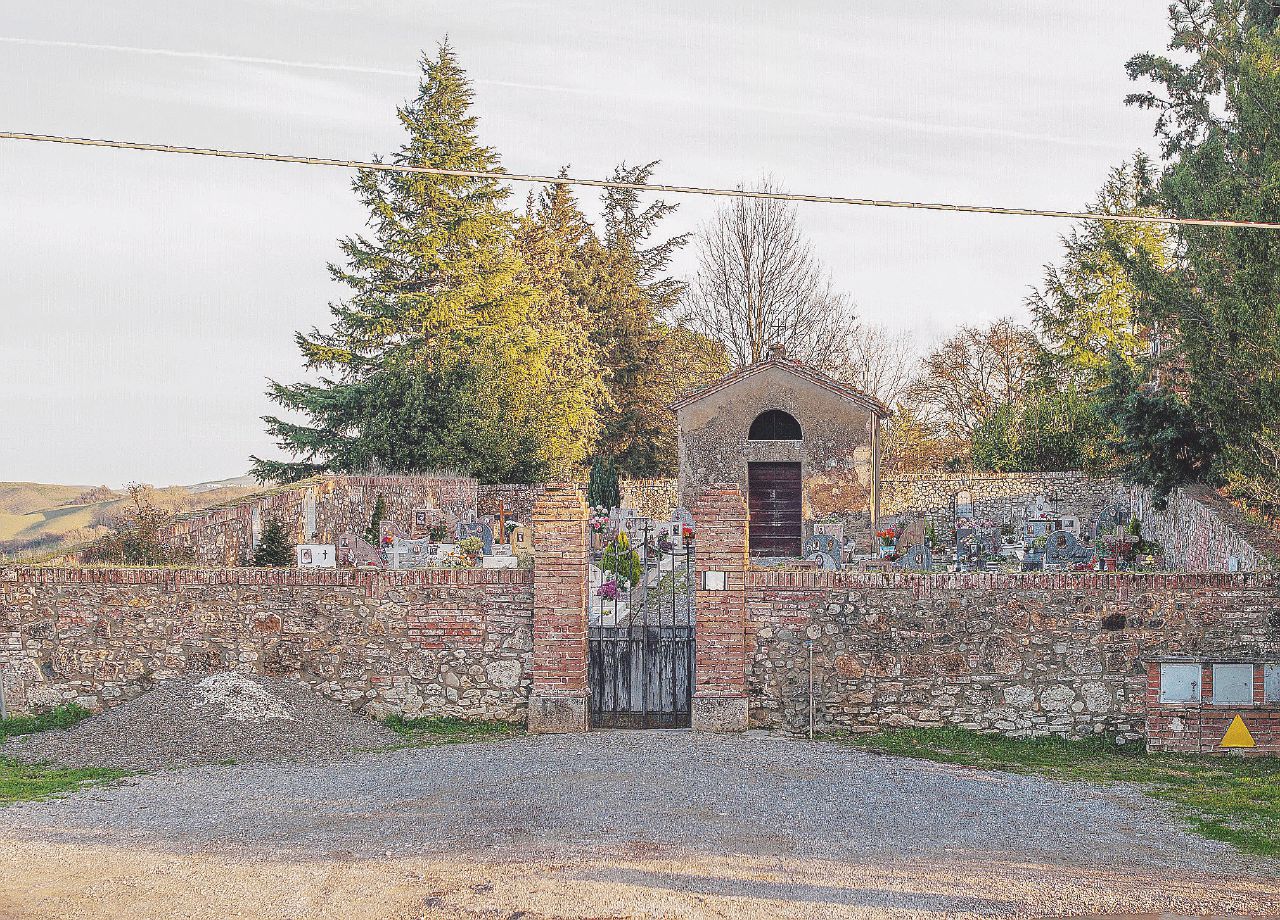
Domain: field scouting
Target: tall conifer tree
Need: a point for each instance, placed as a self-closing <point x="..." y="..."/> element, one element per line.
<point x="436" y="358"/>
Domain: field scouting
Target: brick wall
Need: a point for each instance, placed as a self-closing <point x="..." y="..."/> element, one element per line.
<point x="224" y="536"/>
<point x="445" y="642"/>
<point x="559" y="695"/>
<point x="1028" y="654"/>
<point x="1201" y="727"/>
<point x="719" y="699"/>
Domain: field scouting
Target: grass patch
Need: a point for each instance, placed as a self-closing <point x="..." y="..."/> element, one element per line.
<point x="434" y="730"/>
<point x="63" y="716"/>
<point x="1232" y="799"/>
<point x="20" y="782"/>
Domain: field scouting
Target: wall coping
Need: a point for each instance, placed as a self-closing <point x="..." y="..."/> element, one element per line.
<point x="989" y="581"/>
<point x="176" y="577"/>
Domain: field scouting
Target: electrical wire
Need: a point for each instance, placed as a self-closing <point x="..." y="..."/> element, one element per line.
<point x="641" y="186"/>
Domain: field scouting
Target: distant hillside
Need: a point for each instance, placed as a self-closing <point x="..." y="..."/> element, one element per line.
<point x="40" y="517"/>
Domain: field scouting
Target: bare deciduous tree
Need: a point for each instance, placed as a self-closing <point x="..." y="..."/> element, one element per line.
<point x="966" y="377"/>
<point x="759" y="284"/>
<point x="880" y="362"/>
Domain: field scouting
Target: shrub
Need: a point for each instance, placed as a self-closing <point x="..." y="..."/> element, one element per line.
<point x="622" y="561"/>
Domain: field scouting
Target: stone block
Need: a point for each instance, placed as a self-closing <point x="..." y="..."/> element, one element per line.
<point x="558" y="713"/>
<point x="719" y="713"/>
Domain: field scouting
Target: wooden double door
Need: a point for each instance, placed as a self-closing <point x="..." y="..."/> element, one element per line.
<point x="773" y="498"/>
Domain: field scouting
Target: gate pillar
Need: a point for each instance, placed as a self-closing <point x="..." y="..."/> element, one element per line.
<point x="720" y="557"/>
<point x="558" y="699"/>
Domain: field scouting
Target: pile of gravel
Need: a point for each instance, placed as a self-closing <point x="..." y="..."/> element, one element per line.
<point x="211" y="718"/>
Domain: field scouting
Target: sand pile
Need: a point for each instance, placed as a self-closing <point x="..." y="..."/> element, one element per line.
<point x="211" y="718"/>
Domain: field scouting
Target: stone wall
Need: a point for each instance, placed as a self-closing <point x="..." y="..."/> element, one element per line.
<point x="652" y="498"/>
<point x="1028" y="654"/>
<point x="444" y="642"/>
<point x="224" y="536"/>
<point x="1200" y="531"/>
<point x="933" y="494"/>
<point x="516" y="500"/>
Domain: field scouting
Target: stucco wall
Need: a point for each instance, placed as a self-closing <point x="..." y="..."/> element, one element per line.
<point x="1025" y="654"/>
<point x="450" y="642"/>
<point x="836" y="454"/>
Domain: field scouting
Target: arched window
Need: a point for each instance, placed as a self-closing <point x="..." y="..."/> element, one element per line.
<point x="775" y="425"/>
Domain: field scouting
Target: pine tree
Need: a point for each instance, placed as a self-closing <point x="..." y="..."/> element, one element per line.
<point x="275" y="549"/>
<point x="1088" y="306"/>
<point x="435" y="359"/>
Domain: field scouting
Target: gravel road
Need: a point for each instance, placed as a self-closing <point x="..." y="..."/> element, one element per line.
<point x="653" y="824"/>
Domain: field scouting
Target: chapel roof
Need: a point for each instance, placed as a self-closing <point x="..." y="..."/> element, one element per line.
<point x="778" y="360"/>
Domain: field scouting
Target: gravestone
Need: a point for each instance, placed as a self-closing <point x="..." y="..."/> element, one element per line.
<point x="315" y="556"/>
<point x="833" y="529"/>
<point x="913" y="534"/>
<point x="918" y="557"/>
<point x="355" y="550"/>
<point x="977" y="541"/>
<point x="824" y="560"/>
<point x="964" y="504"/>
<point x="479" y="529"/>
<point x="822" y="543"/>
<point x="1063" y="549"/>
<point x="519" y="540"/>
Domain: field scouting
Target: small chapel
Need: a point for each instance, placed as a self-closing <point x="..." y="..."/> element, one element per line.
<point x="803" y="446"/>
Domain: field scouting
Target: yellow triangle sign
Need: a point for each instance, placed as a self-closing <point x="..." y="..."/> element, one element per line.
<point x="1237" y="735"/>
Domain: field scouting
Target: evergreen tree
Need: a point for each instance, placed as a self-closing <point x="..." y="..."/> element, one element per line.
<point x="1218" y="303"/>
<point x="374" y="532"/>
<point x="602" y="486"/>
<point x="436" y="358"/>
<point x="1087" y="307"/>
<point x="275" y="549"/>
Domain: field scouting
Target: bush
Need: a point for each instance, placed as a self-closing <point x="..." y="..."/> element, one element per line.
<point x="622" y="561"/>
<point x="602" y="486"/>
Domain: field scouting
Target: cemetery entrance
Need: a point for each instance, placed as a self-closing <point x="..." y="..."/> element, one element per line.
<point x="640" y="624"/>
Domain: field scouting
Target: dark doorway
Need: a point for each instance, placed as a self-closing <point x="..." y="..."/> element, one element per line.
<point x="773" y="498"/>
<point x="775" y="425"/>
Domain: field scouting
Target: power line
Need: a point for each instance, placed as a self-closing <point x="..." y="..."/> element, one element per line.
<point x="638" y="186"/>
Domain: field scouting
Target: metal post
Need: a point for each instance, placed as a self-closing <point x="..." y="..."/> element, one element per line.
<point x="809" y="645"/>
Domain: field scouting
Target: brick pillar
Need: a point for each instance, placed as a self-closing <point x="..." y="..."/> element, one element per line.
<point x="558" y="701"/>
<point x="720" y="699"/>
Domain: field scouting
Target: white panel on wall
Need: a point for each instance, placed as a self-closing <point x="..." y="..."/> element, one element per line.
<point x="1233" y="685"/>
<point x="1271" y="683"/>
<point x="1179" y="683"/>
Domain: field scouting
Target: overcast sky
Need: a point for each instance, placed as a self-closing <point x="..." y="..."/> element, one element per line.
<point x="144" y="298"/>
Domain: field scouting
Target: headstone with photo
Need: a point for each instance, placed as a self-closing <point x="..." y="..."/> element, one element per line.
<point x="478" y="529"/>
<point x="315" y="556"/>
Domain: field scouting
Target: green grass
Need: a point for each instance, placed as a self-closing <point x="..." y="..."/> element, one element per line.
<point x="21" y="782"/>
<point x="450" y="729"/>
<point x="1232" y="799"/>
<point x="63" y="716"/>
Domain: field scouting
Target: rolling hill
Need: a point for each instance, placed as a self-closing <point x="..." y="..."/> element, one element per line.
<point x="37" y="517"/>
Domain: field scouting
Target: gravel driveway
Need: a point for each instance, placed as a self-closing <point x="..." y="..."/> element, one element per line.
<point x="661" y="824"/>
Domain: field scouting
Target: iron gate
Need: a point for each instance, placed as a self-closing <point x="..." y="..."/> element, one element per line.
<point x="640" y="629"/>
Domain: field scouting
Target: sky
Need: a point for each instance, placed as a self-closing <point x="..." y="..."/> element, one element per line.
<point x="145" y="299"/>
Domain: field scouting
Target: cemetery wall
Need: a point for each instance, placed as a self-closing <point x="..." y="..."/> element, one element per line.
<point x="516" y="500"/>
<point x="441" y="642"/>
<point x="1200" y="531"/>
<point x="932" y="494"/>
<point x="1022" y="654"/>
<point x="224" y="536"/>
<point x="651" y="498"/>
